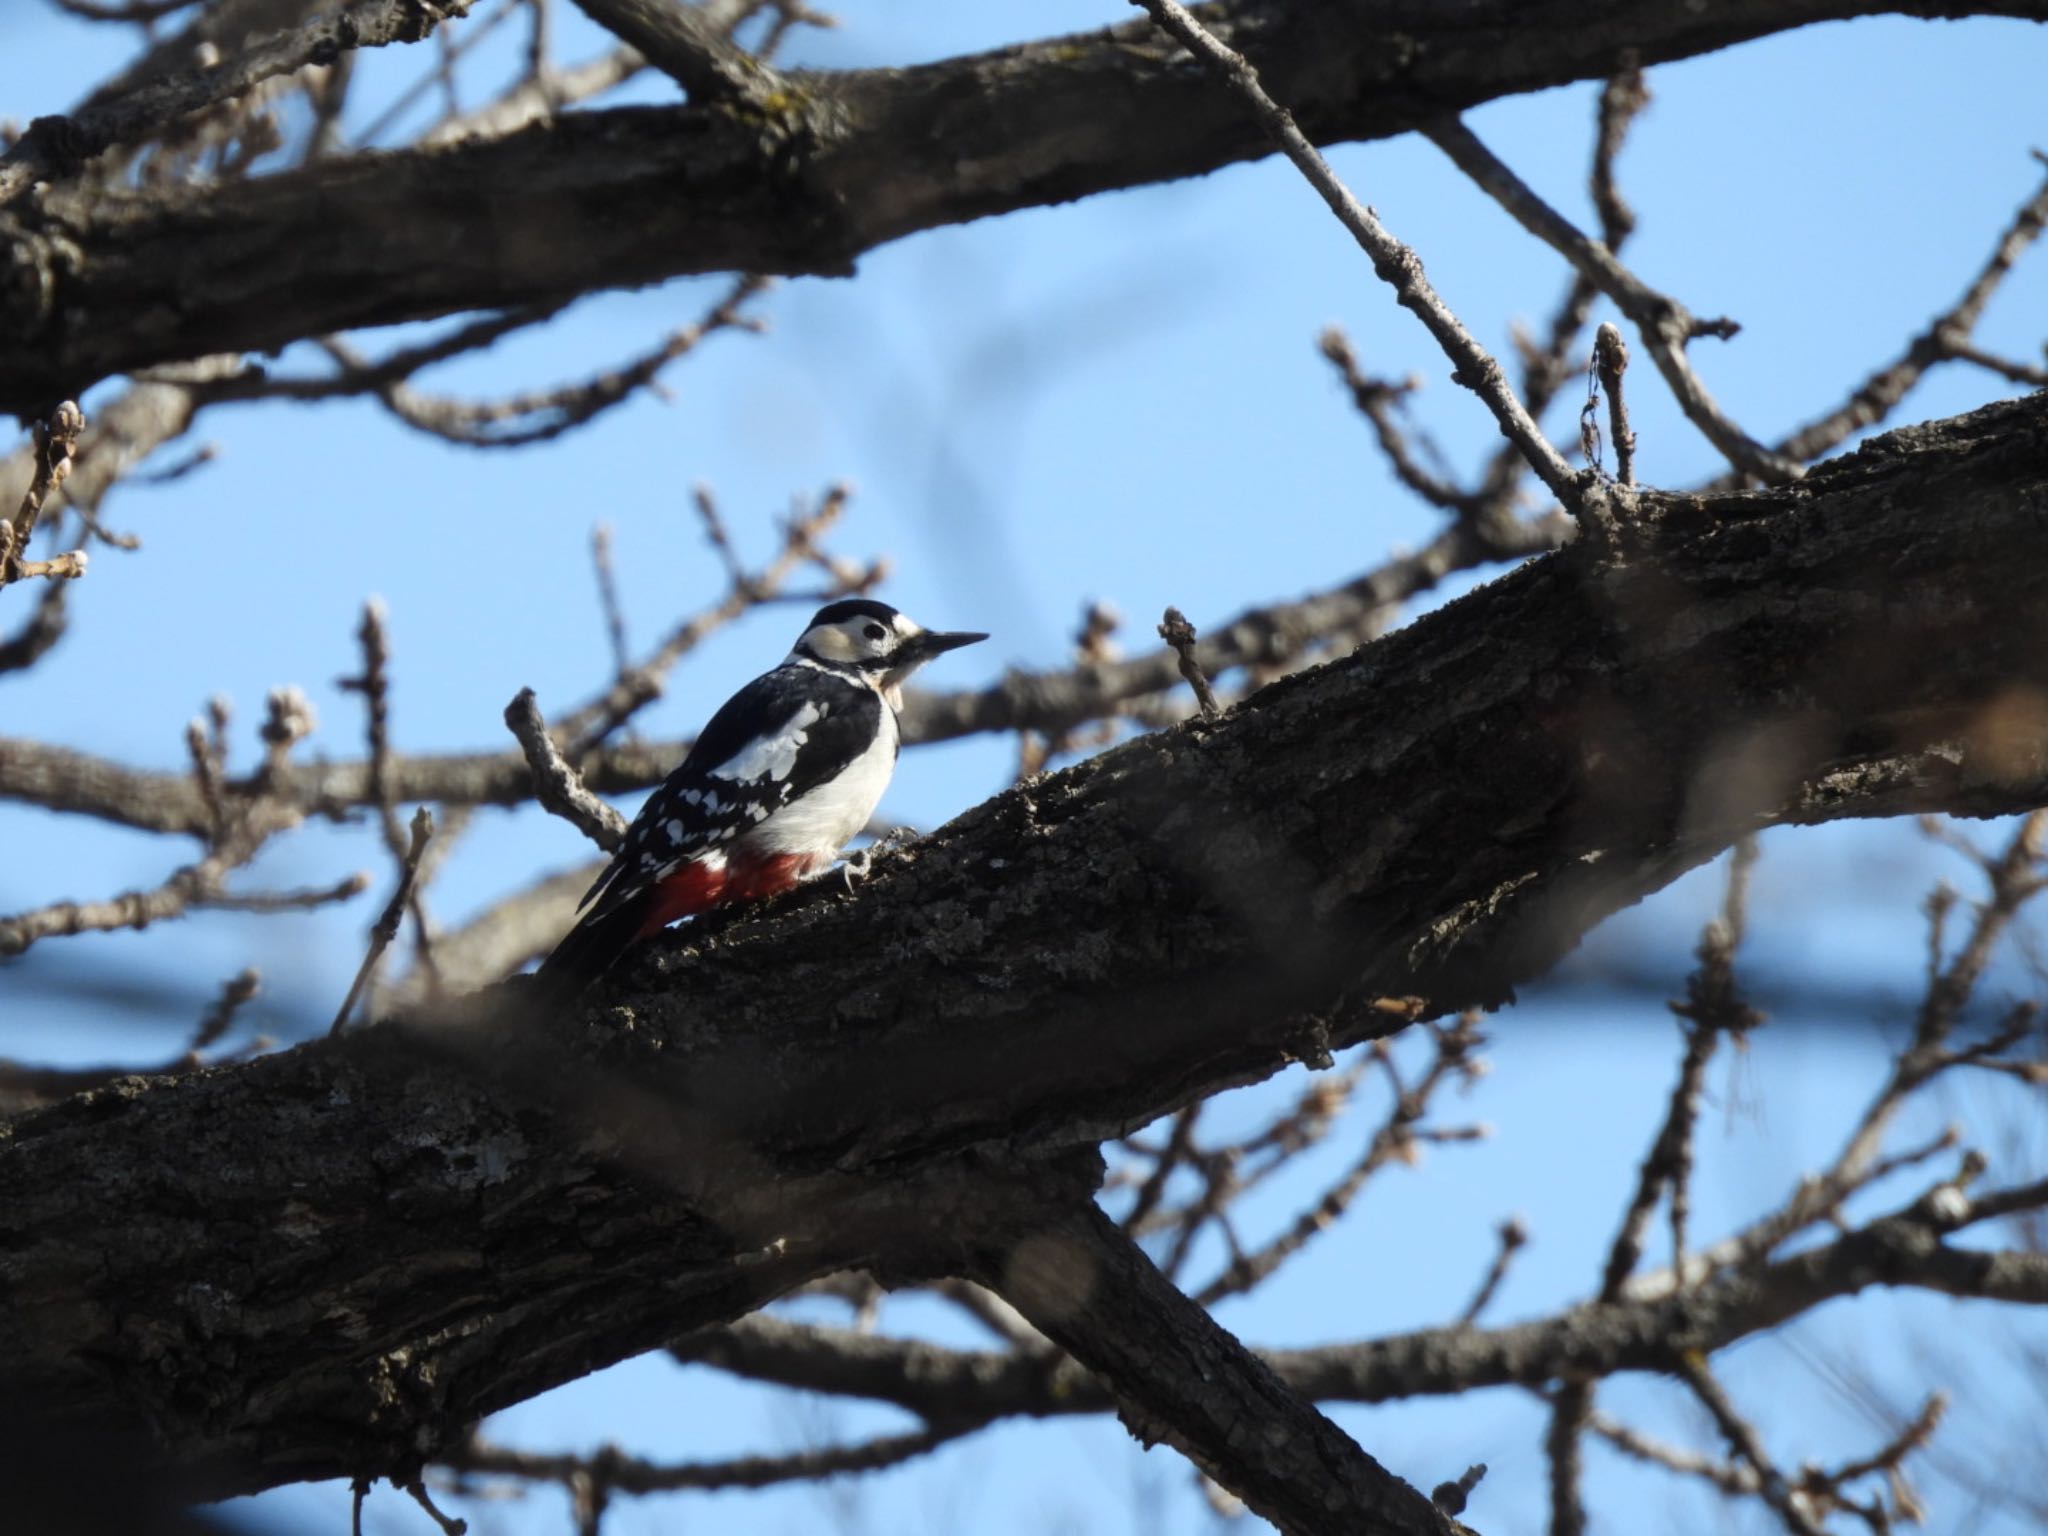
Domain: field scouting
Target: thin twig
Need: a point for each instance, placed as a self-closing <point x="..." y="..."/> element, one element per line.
<point x="1610" y="360"/>
<point x="1713" y="1006"/>
<point x="1744" y="1440"/>
<point x="386" y="928"/>
<point x="693" y="50"/>
<point x="608" y="596"/>
<point x="450" y="1526"/>
<point x="557" y="785"/>
<point x="234" y="995"/>
<point x="1945" y="336"/>
<point x="190" y="888"/>
<point x="519" y="420"/>
<point x="1393" y="262"/>
<point x="56" y="440"/>
<point x="1376" y="400"/>
<point x="1622" y="100"/>
<point x="632" y="1475"/>
<point x="56" y="147"/>
<point x="1177" y="632"/>
<point x="1450" y="1497"/>
<point x="1513" y="1236"/>
<point x="1665" y="324"/>
<point x="1394" y="1140"/>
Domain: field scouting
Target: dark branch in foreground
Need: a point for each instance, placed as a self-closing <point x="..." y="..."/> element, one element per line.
<point x="424" y="1221"/>
<point x="107" y="281"/>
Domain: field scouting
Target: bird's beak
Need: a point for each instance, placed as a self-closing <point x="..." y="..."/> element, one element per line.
<point x="923" y="646"/>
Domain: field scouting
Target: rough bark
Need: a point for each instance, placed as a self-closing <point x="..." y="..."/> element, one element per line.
<point x="1182" y="1379"/>
<point x="329" y="1260"/>
<point x="99" y="280"/>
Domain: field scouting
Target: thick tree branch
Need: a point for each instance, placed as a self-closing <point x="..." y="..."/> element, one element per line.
<point x="103" y="281"/>
<point x="1180" y="1377"/>
<point x="349" y="1251"/>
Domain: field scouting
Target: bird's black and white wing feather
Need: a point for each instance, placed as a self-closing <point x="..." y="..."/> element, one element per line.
<point x="785" y="734"/>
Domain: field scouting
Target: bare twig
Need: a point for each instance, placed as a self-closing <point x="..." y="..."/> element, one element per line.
<point x="1513" y="1237"/>
<point x="520" y="420"/>
<point x="1713" y="1006"/>
<point x="453" y="49"/>
<point x="64" y="567"/>
<point x="1946" y="336"/>
<point x="234" y="995"/>
<point x="1393" y="262"/>
<point x="1610" y="361"/>
<point x="558" y="786"/>
<point x="608" y="596"/>
<point x="683" y="43"/>
<point x="386" y="928"/>
<point x="639" y="685"/>
<point x="1450" y="1497"/>
<point x="207" y="769"/>
<point x="22" y="1086"/>
<point x="1394" y="1140"/>
<point x="450" y="1526"/>
<point x="2013" y="881"/>
<point x="1735" y="1479"/>
<point x="619" y="1473"/>
<point x="505" y="935"/>
<point x="374" y="684"/>
<point x="39" y="633"/>
<point x="533" y="98"/>
<point x="192" y="887"/>
<point x="57" y="147"/>
<point x="1178" y="633"/>
<point x="1665" y="325"/>
<point x="1570" y="1408"/>
<point x="1743" y="1438"/>
<point x="1179" y="1143"/>
<point x="1376" y="400"/>
<point x="56" y="440"/>
<point x="1622" y="100"/>
<point x="1268" y="637"/>
<point x="130" y="11"/>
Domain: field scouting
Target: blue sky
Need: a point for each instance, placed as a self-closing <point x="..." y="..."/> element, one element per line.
<point x="1118" y="399"/>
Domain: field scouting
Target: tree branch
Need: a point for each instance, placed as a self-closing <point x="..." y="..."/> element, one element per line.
<point x="477" y="1206"/>
<point x="108" y="280"/>
<point x="1903" y="1249"/>
<point x="1179" y="1377"/>
<point x="1392" y="262"/>
<point x="678" y="39"/>
<point x="57" y="147"/>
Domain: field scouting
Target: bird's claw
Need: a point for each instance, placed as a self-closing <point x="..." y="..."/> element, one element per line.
<point x="856" y="866"/>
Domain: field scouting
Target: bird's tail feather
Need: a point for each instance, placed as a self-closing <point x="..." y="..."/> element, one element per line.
<point x="593" y="946"/>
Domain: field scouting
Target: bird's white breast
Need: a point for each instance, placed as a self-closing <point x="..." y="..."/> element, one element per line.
<point x="825" y="819"/>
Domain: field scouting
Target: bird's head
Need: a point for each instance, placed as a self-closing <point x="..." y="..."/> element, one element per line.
<point x="877" y="642"/>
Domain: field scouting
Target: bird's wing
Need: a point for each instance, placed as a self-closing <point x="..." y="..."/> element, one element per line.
<point x="779" y="737"/>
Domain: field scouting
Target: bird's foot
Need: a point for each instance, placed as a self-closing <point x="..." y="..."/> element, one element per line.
<point x="859" y="864"/>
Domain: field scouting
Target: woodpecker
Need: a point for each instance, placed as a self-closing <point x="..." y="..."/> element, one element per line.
<point x="786" y="772"/>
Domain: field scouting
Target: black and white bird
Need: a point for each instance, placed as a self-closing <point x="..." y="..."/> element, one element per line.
<point x="783" y="776"/>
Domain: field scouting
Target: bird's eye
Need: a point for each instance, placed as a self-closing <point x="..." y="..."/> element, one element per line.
<point x="876" y="632"/>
